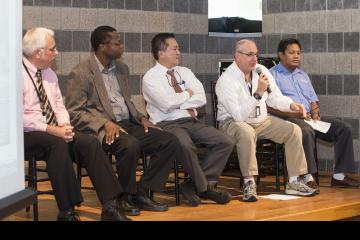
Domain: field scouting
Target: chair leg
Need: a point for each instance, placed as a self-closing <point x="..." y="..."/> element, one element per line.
<point x="33" y="185"/>
<point x="277" y="167"/>
<point x="285" y="172"/>
<point x="79" y="173"/>
<point x="177" y="192"/>
<point x="317" y="163"/>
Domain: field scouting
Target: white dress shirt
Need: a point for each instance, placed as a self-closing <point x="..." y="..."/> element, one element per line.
<point x="235" y="101"/>
<point x="163" y="103"/>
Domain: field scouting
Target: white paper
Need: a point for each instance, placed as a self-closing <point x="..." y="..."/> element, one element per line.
<point x="319" y="125"/>
<point x="282" y="197"/>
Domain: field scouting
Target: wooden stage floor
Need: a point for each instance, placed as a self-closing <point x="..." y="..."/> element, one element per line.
<point x="330" y="204"/>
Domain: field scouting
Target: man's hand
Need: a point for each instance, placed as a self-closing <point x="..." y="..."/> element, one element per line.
<point x="299" y="108"/>
<point x="112" y="131"/>
<point x="263" y="83"/>
<point x="146" y="124"/>
<point x="65" y="132"/>
<point x="190" y="92"/>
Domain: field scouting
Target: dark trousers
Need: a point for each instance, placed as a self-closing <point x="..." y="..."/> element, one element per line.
<point x="85" y="149"/>
<point x="339" y="133"/>
<point x="219" y="145"/>
<point x="89" y="152"/>
<point x="127" y="148"/>
<point x="58" y="166"/>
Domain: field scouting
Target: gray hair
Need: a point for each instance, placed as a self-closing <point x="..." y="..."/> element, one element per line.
<point x="34" y="39"/>
<point x="241" y="42"/>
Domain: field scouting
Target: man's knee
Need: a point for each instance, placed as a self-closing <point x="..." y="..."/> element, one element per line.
<point x="241" y="135"/>
<point x="308" y="132"/>
<point x="128" y="144"/>
<point x="226" y="141"/>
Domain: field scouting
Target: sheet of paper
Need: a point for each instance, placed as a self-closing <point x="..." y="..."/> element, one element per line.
<point x="319" y="125"/>
<point x="282" y="197"/>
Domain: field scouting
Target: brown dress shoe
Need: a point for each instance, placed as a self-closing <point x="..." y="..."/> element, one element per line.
<point x="347" y="182"/>
<point x="313" y="185"/>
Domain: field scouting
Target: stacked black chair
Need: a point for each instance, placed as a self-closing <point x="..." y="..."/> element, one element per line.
<point x="32" y="177"/>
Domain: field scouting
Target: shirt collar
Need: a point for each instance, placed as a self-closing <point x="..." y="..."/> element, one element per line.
<point x="32" y="69"/>
<point x="162" y="68"/>
<point x="101" y="67"/>
<point x="282" y="69"/>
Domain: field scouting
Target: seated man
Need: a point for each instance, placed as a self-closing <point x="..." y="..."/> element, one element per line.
<point x="172" y="94"/>
<point x="47" y="127"/>
<point x="242" y="98"/>
<point x="295" y="83"/>
<point x="99" y="101"/>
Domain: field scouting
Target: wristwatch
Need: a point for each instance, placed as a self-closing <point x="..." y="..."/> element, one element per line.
<point x="257" y="96"/>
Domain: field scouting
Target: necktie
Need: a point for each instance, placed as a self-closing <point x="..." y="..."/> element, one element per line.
<point x="177" y="88"/>
<point x="44" y="102"/>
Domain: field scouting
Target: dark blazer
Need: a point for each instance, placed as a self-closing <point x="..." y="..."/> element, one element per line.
<point x="87" y="100"/>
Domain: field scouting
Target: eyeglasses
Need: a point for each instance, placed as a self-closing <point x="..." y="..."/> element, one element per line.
<point x="53" y="49"/>
<point x="250" y="54"/>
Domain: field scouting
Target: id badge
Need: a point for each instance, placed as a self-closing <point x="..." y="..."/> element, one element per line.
<point x="255" y="113"/>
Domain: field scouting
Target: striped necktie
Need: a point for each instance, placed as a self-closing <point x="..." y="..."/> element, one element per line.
<point x="177" y="88"/>
<point x="44" y="102"/>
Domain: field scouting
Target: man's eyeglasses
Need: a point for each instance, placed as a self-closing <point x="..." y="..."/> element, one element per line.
<point x="53" y="49"/>
<point x="250" y="54"/>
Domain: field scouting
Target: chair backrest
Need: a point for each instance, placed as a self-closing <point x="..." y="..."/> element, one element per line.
<point x="214" y="104"/>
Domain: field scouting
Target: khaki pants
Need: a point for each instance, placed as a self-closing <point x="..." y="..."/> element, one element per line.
<point x="273" y="128"/>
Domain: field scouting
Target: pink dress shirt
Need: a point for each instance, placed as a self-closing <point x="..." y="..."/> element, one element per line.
<point x="33" y="118"/>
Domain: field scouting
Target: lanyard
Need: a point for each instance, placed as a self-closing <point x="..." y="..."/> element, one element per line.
<point x="250" y="87"/>
<point x="36" y="89"/>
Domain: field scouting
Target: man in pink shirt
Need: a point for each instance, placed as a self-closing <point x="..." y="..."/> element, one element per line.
<point x="47" y="127"/>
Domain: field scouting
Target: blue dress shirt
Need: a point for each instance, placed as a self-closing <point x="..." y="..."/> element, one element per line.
<point x="296" y="85"/>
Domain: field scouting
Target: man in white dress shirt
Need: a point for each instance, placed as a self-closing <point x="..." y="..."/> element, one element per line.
<point x="172" y="94"/>
<point x="242" y="99"/>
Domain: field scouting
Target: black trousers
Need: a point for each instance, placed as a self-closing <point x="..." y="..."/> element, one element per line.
<point x="127" y="148"/>
<point x="59" y="166"/>
<point x="339" y="133"/>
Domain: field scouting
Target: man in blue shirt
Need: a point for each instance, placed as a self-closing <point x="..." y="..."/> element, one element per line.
<point x="295" y="83"/>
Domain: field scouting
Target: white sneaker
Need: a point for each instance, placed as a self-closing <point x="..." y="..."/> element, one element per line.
<point x="299" y="188"/>
<point x="249" y="192"/>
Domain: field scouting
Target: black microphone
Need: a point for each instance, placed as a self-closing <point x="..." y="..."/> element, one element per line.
<point x="259" y="71"/>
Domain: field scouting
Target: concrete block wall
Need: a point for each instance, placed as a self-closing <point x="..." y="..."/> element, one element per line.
<point x="328" y="30"/>
<point x="137" y="21"/>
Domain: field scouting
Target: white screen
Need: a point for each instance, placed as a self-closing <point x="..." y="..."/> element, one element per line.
<point x="11" y="126"/>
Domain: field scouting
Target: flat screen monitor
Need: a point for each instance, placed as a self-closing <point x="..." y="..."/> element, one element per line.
<point x="235" y="18"/>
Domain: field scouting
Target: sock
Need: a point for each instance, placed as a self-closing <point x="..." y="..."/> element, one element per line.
<point x="293" y="179"/>
<point x="308" y="177"/>
<point x="339" y="176"/>
<point x="249" y="179"/>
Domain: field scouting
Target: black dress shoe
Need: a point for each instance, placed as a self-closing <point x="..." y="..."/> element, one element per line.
<point x="188" y="191"/>
<point x="128" y="207"/>
<point x="112" y="212"/>
<point x="217" y="195"/>
<point x="146" y="203"/>
<point x="68" y="215"/>
<point x="346" y="183"/>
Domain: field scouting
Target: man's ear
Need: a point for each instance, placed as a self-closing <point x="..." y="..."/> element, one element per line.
<point x="38" y="53"/>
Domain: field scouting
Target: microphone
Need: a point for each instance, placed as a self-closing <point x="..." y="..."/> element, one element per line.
<point x="259" y="72"/>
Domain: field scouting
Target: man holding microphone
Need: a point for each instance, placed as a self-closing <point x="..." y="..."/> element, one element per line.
<point x="242" y="114"/>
